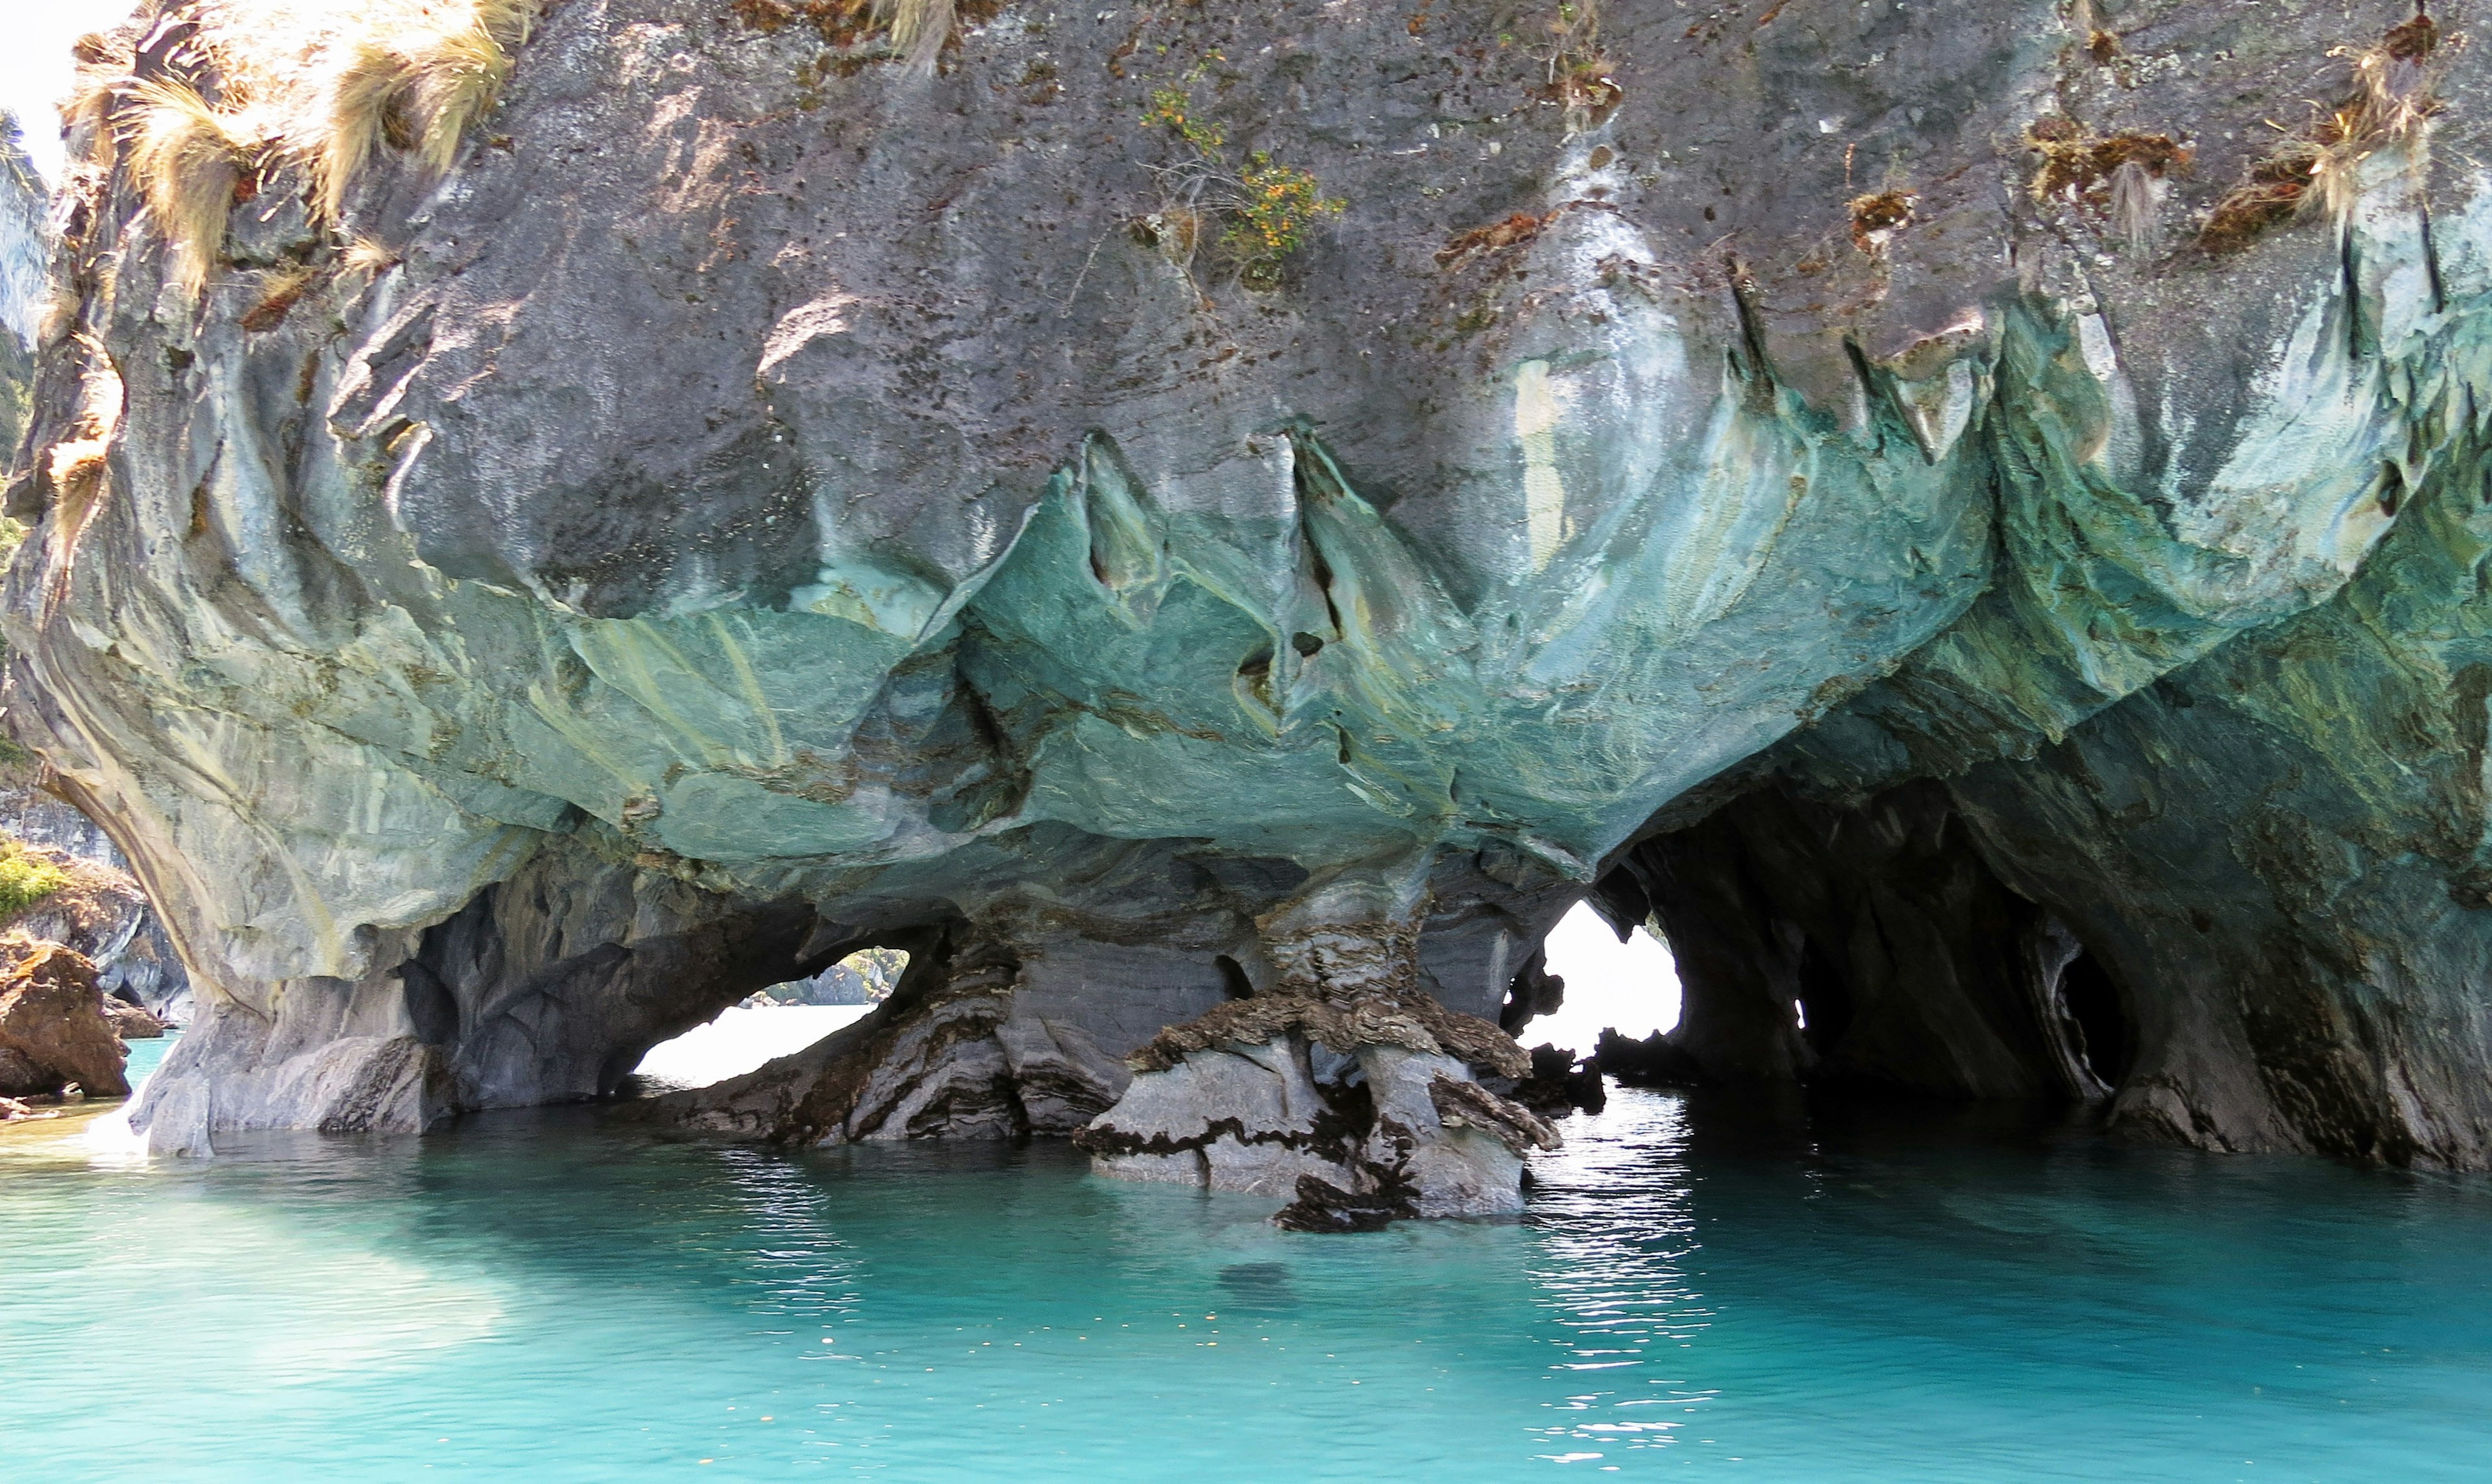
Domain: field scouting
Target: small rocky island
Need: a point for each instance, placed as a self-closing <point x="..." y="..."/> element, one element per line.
<point x="1211" y="527"/>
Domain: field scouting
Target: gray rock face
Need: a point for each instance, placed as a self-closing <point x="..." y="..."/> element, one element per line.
<point x="1354" y="1107"/>
<point x="764" y="501"/>
<point x="24" y="250"/>
<point x="955" y="1052"/>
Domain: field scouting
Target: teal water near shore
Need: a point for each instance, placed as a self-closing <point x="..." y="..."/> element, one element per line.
<point x="555" y="1297"/>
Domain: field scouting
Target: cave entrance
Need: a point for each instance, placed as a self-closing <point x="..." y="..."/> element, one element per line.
<point x="1870" y="947"/>
<point x="2101" y="1038"/>
<point x="1629" y="984"/>
<point x="776" y="1022"/>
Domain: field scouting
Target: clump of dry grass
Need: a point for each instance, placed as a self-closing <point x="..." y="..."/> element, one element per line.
<point x="280" y="288"/>
<point x="104" y="64"/>
<point x="2121" y="175"/>
<point x="2321" y="167"/>
<point x="79" y="467"/>
<point x="1876" y="218"/>
<point x="313" y="89"/>
<point x="417" y="88"/>
<point x="915" y="30"/>
<point x="368" y="257"/>
<point x="918" y="29"/>
<point x="191" y="161"/>
<point x="1577" y="68"/>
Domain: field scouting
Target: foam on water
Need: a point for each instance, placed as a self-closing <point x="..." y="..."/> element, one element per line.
<point x="551" y="1298"/>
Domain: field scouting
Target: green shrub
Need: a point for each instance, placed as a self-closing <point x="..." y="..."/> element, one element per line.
<point x="1267" y="207"/>
<point x="25" y="878"/>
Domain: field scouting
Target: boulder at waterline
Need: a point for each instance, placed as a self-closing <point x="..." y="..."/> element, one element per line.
<point x="54" y="1033"/>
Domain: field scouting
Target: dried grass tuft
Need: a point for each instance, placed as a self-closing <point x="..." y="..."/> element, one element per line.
<point x="2121" y="176"/>
<point x="80" y="467"/>
<point x="102" y="66"/>
<point x="368" y="257"/>
<point x="307" y="86"/>
<point x="280" y="288"/>
<point x="416" y="88"/>
<point x="2320" y="169"/>
<point x="191" y="160"/>
<point x="918" y="30"/>
<point x="2134" y="196"/>
<point x="1876" y="217"/>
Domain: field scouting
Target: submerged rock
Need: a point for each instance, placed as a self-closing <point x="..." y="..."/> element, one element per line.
<point x="54" y="1034"/>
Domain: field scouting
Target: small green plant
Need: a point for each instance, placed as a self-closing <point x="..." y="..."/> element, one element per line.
<point x="25" y="878"/>
<point x="1172" y="107"/>
<point x="1267" y="208"/>
<point x="1282" y="201"/>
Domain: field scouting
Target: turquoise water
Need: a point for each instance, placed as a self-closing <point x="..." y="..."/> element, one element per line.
<point x="145" y="1056"/>
<point x="544" y="1297"/>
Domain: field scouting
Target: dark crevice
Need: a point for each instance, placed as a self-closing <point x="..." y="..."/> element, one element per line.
<point x="2105" y="1043"/>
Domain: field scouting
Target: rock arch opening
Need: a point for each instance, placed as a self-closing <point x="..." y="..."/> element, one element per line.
<point x="1865" y="947"/>
<point x="1591" y="978"/>
<point x="775" y="1022"/>
<point x="2103" y="1037"/>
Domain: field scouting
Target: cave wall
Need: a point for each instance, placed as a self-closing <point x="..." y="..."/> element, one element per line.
<point x="1870" y="947"/>
<point x="2272" y="863"/>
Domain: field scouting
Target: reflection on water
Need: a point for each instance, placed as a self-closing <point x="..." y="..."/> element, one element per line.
<point x="1697" y="1291"/>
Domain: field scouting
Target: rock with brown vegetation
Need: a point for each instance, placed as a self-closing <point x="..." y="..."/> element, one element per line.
<point x="94" y="909"/>
<point x="97" y="910"/>
<point x="54" y="1034"/>
<point x="548" y="521"/>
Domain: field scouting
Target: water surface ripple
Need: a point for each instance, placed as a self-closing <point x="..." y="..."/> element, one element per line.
<point x="1694" y="1293"/>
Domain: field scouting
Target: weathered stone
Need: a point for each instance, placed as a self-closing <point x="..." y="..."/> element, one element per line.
<point x="841" y="518"/>
<point x="1655" y="1061"/>
<point x="132" y="1022"/>
<point x="949" y="1055"/>
<point x="1353" y="1108"/>
<point x="1561" y="1083"/>
<point x="52" y="1028"/>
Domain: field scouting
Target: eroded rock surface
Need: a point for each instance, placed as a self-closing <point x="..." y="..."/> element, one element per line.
<point x="1359" y="1108"/>
<point x="953" y="1054"/>
<point x="54" y="1033"/>
<point x="763" y="500"/>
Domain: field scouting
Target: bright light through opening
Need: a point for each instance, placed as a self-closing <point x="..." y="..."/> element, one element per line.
<point x="1632" y="985"/>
